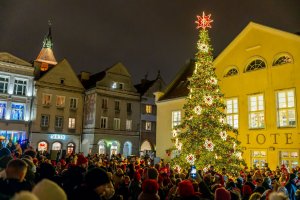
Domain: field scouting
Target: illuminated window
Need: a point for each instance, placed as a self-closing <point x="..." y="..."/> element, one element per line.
<point x="73" y="103"/>
<point x="60" y="101"/>
<point x="3" y="84"/>
<point x="256" y="111"/>
<point x="128" y="124"/>
<point x="44" y="120"/>
<point x="42" y="146"/>
<point x="176" y="118"/>
<point x="20" y="87"/>
<point x="148" y="126"/>
<point x="283" y="59"/>
<point x="148" y="109"/>
<point x="59" y="120"/>
<point x="256" y="65"/>
<point x="46" y="99"/>
<point x="102" y="147"/>
<point x="17" y="111"/>
<point x="286" y="110"/>
<point x="116" y="123"/>
<point x="2" y="110"/>
<point x="103" y="123"/>
<point x="70" y="148"/>
<point x="259" y="158"/>
<point x="71" y="123"/>
<point x="290" y="158"/>
<point x="116" y="85"/>
<point x="231" y="72"/>
<point x="232" y="116"/>
<point x="56" y="146"/>
<point x="127" y="149"/>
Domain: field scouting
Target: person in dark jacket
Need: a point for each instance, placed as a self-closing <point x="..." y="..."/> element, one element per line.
<point x="291" y="186"/>
<point x="15" y="178"/>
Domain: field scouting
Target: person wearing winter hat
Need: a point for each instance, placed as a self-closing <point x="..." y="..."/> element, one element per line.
<point x="82" y="161"/>
<point x="150" y="189"/>
<point x="186" y="190"/>
<point x="48" y="190"/>
<point x="222" y="194"/>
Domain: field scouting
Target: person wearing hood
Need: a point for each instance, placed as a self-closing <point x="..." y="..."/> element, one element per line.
<point x="291" y="186"/>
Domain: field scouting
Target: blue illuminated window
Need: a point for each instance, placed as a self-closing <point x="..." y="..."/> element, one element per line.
<point x="17" y="111"/>
<point x="2" y="110"/>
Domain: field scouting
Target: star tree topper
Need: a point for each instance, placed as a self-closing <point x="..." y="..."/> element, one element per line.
<point x="203" y="21"/>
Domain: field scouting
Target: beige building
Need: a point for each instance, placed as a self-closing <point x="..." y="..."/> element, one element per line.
<point x="58" y="104"/>
<point x="16" y="98"/>
<point x="112" y="112"/>
<point x="258" y="74"/>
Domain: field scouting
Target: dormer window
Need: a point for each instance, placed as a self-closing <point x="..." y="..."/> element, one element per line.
<point x="282" y="59"/>
<point x="256" y="64"/>
<point x="231" y="72"/>
<point x="117" y="85"/>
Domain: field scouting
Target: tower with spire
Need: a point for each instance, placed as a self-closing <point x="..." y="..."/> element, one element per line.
<point x="46" y="59"/>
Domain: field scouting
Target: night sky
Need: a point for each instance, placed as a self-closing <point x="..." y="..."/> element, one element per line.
<point x="145" y="35"/>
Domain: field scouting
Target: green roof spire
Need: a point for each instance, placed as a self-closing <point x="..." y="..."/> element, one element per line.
<point x="47" y="43"/>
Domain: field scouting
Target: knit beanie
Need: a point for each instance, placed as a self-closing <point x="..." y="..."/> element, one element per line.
<point x="48" y="190"/>
<point x="150" y="186"/>
<point x="96" y="177"/>
<point x="186" y="188"/>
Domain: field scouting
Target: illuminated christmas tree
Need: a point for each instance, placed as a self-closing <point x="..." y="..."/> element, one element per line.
<point x="204" y="138"/>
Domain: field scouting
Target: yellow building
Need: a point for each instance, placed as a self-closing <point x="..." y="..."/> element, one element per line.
<point x="258" y="76"/>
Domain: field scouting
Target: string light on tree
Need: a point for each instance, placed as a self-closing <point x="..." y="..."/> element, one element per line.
<point x="223" y="135"/>
<point x="198" y="110"/>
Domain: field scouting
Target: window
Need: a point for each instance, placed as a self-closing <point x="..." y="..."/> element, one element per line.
<point x="289" y="158"/>
<point x="148" y="126"/>
<point x="2" y="110"/>
<point x="256" y="65"/>
<point x="56" y="146"/>
<point x="73" y="103"/>
<point x="45" y="121"/>
<point x="3" y="84"/>
<point x="17" y="111"/>
<point x="103" y="122"/>
<point x="148" y="109"/>
<point x="104" y="103"/>
<point x="231" y="72"/>
<point x="42" y="146"/>
<point x="20" y="87"/>
<point x="128" y="124"/>
<point x="259" y="158"/>
<point x="286" y="111"/>
<point x="256" y="111"/>
<point x="46" y="99"/>
<point x="102" y="147"/>
<point x="60" y="101"/>
<point x="59" y="120"/>
<point x="117" y="105"/>
<point x="176" y="118"/>
<point x="116" y="85"/>
<point x="116" y="124"/>
<point x="71" y="123"/>
<point x="70" y="148"/>
<point x="62" y="81"/>
<point x="284" y="59"/>
<point x="232" y="116"/>
<point x="129" y="108"/>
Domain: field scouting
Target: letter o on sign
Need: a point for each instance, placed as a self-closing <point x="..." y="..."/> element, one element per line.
<point x="260" y="138"/>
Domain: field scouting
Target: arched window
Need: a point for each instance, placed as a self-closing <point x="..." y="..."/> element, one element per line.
<point x="102" y="147"/>
<point x="256" y="64"/>
<point x="56" y="146"/>
<point x="71" y="148"/>
<point x="282" y="59"/>
<point x="231" y="72"/>
<point x="42" y="146"/>
<point x="146" y="146"/>
<point x="127" y="149"/>
<point x="114" y="148"/>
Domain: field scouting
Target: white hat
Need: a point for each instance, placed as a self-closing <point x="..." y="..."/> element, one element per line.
<point x="48" y="190"/>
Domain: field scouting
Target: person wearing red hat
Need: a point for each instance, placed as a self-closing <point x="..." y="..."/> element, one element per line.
<point x="222" y="194"/>
<point x="150" y="190"/>
<point x="82" y="161"/>
<point x="186" y="191"/>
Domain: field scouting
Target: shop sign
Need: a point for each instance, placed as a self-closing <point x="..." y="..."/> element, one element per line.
<point x="57" y="137"/>
<point x="273" y="138"/>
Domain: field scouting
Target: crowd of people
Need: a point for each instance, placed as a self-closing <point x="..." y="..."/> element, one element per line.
<point x="29" y="175"/>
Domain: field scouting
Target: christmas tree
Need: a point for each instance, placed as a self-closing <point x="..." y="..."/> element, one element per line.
<point x="204" y="138"/>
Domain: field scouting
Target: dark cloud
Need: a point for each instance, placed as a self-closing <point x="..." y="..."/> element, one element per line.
<point x="145" y="35"/>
